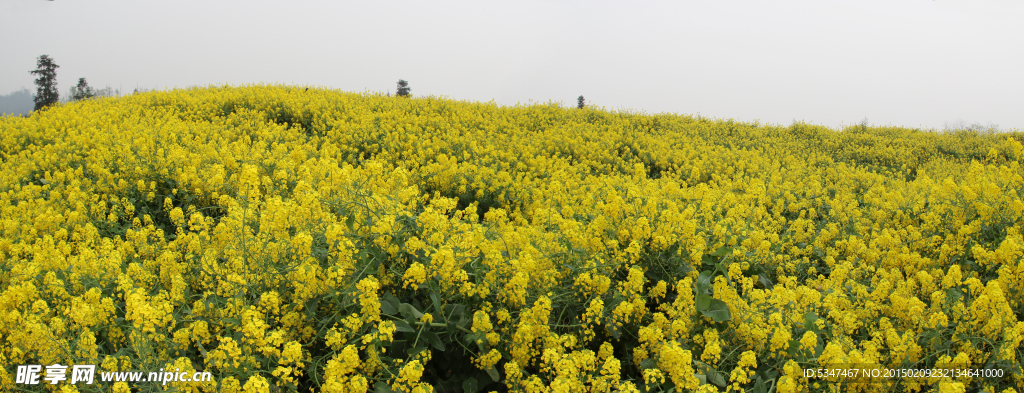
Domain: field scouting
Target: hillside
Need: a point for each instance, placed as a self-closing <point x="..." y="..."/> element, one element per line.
<point x="274" y="235"/>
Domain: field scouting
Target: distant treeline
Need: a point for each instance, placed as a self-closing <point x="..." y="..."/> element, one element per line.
<point x="16" y="103"/>
<point x="20" y="103"/>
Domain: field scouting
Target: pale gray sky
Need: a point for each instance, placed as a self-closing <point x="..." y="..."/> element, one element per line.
<point x="916" y="63"/>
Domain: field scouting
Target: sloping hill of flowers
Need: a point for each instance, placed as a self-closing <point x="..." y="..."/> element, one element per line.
<point x="290" y="239"/>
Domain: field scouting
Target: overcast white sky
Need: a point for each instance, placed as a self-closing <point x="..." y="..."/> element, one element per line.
<point x="917" y="63"/>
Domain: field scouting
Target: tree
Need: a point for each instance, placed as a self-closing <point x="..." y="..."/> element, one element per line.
<point x="961" y="125"/>
<point x="580" y="102"/>
<point x="17" y="103"/>
<point x="46" y="93"/>
<point x="106" y="92"/>
<point x="82" y="91"/>
<point x="403" y="88"/>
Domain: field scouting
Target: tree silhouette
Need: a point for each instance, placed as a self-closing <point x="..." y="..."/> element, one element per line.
<point x="579" y="102"/>
<point x="403" y="88"/>
<point x="82" y="91"/>
<point x="46" y="93"/>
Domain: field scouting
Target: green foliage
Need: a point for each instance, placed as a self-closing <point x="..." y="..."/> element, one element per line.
<point x="82" y="91"/>
<point x="46" y="94"/>
<point x="403" y="88"/>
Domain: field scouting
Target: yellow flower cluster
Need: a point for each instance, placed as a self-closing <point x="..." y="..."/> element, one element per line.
<point x="293" y="239"/>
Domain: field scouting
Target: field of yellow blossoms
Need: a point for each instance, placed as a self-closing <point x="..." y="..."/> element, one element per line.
<point x="289" y="239"/>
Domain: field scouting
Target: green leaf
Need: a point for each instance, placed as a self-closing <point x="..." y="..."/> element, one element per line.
<point x="793" y="348"/>
<point x="381" y="387"/>
<point x="392" y="301"/>
<point x="719" y="311"/>
<point x="350" y="221"/>
<point x="763" y="279"/>
<point x="809" y="319"/>
<point x="454" y="310"/>
<point x="409" y="312"/>
<point x="648" y="364"/>
<point x="1017" y="370"/>
<point x="463" y="322"/>
<point x="767" y="373"/>
<point x="716" y="378"/>
<point x="403" y="326"/>
<point x="397" y="346"/>
<point x="703" y="301"/>
<point x="613" y="330"/>
<point x="437" y="304"/>
<point x="387" y="309"/>
<point x="702" y="378"/>
<point x="952" y="295"/>
<point x="414" y="351"/>
<point x="703" y="281"/>
<point x="434" y="340"/>
<point x="759" y="386"/>
<point x="493" y="374"/>
<point x="721" y="251"/>
<point x="725" y="271"/>
<point x="683" y="267"/>
<point x="470" y="385"/>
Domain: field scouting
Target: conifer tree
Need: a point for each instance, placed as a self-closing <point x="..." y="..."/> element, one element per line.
<point x="82" y="91"/>
<point x="46" y="94"/>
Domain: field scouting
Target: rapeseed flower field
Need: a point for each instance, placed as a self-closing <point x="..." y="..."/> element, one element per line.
<point x="288" y="239"/>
